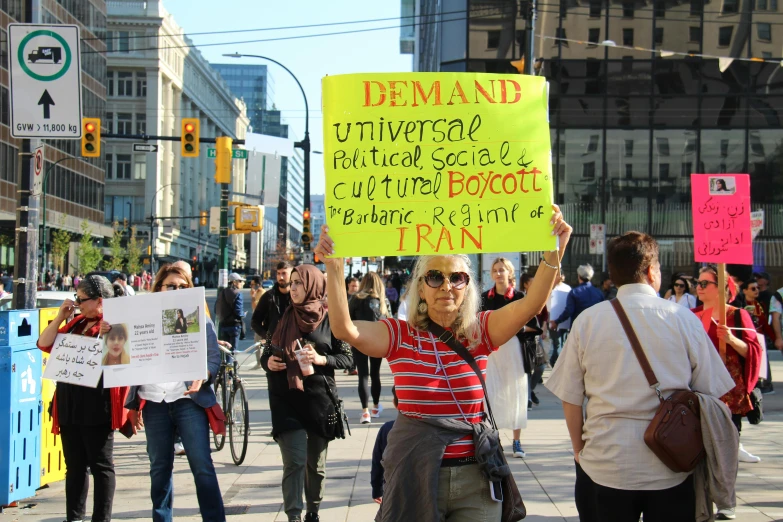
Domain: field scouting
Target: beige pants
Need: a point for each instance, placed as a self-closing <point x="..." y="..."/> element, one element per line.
<point x="463" y="496"/>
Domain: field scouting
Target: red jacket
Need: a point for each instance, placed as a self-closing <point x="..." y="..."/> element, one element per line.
<point x="119" y="415"/>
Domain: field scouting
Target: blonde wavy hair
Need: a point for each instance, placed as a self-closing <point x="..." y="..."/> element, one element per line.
<point x="372" y="286"/>
<point x="466" y="326"/>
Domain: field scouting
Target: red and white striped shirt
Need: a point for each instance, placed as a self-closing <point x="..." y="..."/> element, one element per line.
<point x="425" y="367"/>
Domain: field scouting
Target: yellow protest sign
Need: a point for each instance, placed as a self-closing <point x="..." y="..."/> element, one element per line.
<point x="437" y="163"/>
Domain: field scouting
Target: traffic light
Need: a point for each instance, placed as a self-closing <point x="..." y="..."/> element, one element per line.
<point x="190" y="137"/>
<point x="223" y="159"/>
<point x="91" y="137"/>
<point x="307" y="237"/>
<point x="204" y="215"/>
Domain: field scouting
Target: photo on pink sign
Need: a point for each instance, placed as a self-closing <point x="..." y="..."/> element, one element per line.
<point x="722" y="186"/>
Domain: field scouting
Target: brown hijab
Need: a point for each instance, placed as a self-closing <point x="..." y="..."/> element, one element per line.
<point x="301" y="319"/>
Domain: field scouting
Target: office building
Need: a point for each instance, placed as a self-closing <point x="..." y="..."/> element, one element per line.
<point x="75" y="187"/>
<point x="642" y="95"/>
<point x="155" y="79"/>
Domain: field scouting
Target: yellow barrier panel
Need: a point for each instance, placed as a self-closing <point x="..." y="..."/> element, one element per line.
<point x="52" y="460"/>
<point x="437" y="163"/>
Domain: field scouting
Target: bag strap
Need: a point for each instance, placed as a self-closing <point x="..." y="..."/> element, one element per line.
<point x="449" y="340"/>
<point x="649" y="374"/>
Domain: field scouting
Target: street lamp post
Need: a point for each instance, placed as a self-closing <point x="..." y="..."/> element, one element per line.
<point x="152" y="225"/>
<point x="305" y="143"/>
<point x="43" y="197"/>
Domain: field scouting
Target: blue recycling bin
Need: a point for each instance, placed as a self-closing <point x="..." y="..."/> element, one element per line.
<point x="20" y="405"/>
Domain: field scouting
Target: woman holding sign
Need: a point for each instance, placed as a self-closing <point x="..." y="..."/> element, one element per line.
<point x="743" y="351"/>
<point x="185" y="408"/>
<point x="300" y="364"/>
<point x="440" y="395"/>
<point x="86" y="417"/>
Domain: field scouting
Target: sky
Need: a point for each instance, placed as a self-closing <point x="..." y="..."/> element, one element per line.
<point x="310" y="59"/>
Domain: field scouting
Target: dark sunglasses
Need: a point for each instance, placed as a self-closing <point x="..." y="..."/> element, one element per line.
<point x="703" y="284"/>
<point x="753" y="288"/>
<point x="78" y="300"/>
<point x="679" y="285"/>
<point x="171" y="288"/>
<point x="435" y="279"/>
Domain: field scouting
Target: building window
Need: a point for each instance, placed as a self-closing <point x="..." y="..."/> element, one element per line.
<point x="109" y="42"/>
<point x="593" y="36"/>
<point x="761" y="5"/>
<point x="696" y="7"/>
<point x="109" y="166"/>
<point x="560" y="32"/>
<point x="588" y="170"/>
<point x="660" y="9"/>
<point x="592" y="146"/>
<point x="628" y="9"/>
<point x="628" y="37"/>
<point x="595" y="8"/>
<point x="493" y="39"/>
<point x="3" y="49"/>
<point x="724" y="35"/>
<point x="124" y="123"/>
<point x="124" y="83"/>
<point x="109" y="122"/>
<point x="659" y="36"/>
<point x="110" y="82"/>
<point x="766" y="55"/>
<point x="764" y="31"/>
<point x="730" y="6"/>
<point x="123" y="41"/>
<point x="628" y="148"/>
<point x="123" y="166"/>
<point x="694" y="34"/>
<point x="141" y="123"/>
<point x="140" y="167"/>
<point x="141" y="84"/>
<point x="629" y="171"/>
<point x="663" y="146"/>
<point x="663" y="171"/>
<point x="773" y="5"/>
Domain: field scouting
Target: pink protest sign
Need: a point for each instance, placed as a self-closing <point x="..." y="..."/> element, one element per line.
<point x="721" y="218"/>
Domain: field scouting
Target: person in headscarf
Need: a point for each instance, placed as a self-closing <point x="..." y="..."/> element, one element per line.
<point x="303" y="407"/>
<point x="85" y="417"/>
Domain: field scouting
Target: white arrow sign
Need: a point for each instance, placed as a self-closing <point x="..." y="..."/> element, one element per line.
<point x="46" y="89"/>
<point x="144" y="147"/>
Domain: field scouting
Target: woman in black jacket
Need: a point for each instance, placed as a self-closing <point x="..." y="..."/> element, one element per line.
<point x="181" y="326"/>
<point x="303" y="408"/>
<point x="369" y="304"/>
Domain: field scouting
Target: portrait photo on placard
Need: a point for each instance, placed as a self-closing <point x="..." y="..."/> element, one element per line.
<point x="178" y="321"/>
<point x="116" y="346"/>
<point x="722" y="186"/>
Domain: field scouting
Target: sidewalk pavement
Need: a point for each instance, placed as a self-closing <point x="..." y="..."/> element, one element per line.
<point x="251" y="492"/>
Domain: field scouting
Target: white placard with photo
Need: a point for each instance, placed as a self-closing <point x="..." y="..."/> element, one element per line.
<point x="155" y="338"/>
<point x="75" y="359"/>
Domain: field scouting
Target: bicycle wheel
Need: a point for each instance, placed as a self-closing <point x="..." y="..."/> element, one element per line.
<point x="239" y="428"/>
<point x="220" y="393"/>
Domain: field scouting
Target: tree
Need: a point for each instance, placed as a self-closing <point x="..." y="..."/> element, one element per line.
<point x="134" y="253"/>
<point x="117" y="256"/>
<point x="87" y="253"/>
<point x="61" y="243"/>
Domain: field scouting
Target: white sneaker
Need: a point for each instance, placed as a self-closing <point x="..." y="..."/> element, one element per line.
<point x="366" y="418"/>
<point x="179" y="449"/>
<point x="745" y="456"/>
<point x="726" y="514"/>
<point x="376" y="412"/>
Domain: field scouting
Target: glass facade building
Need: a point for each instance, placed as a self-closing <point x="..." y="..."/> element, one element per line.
<point x="634" y="107"/>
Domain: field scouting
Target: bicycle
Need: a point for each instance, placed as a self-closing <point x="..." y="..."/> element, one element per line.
<point x="230" y="393"/>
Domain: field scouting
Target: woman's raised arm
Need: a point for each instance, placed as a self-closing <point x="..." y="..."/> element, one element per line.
<point x="370" y="338"/>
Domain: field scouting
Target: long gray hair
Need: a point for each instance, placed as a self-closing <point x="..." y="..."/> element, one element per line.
<point x="466" y="326"/>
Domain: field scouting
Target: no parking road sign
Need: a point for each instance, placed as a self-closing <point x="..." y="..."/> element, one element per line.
<point x="46" y="91"/>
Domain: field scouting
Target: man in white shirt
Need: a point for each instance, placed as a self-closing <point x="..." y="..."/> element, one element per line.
<point x="617" y="476"/>
<point x="556" y="306"/>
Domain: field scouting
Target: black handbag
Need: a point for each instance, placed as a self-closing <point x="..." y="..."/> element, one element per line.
<point x="340" y="419"/>
<point x="513" y="505"/>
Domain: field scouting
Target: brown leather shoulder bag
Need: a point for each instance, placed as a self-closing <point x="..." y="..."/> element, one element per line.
<point x="674" y="434"/>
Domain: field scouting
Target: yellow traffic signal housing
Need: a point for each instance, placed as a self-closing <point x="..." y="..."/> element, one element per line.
<point x="91" y="137"/>
<point x="223" y="159"/>
<point x="190" y="137"/>
<point x="249" y="218"/>
<point x="204" y="216"/>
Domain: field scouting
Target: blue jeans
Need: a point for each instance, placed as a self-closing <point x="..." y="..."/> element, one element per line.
<point x="230" y="334"/>
<point x="558" y="340"/>
<point x="161" y="420"/>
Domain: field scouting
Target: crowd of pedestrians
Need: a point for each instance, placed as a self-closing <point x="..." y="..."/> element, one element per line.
<point x="453" y="352"/>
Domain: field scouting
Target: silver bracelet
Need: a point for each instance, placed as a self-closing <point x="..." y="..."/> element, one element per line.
<point x="556" y="268"/>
